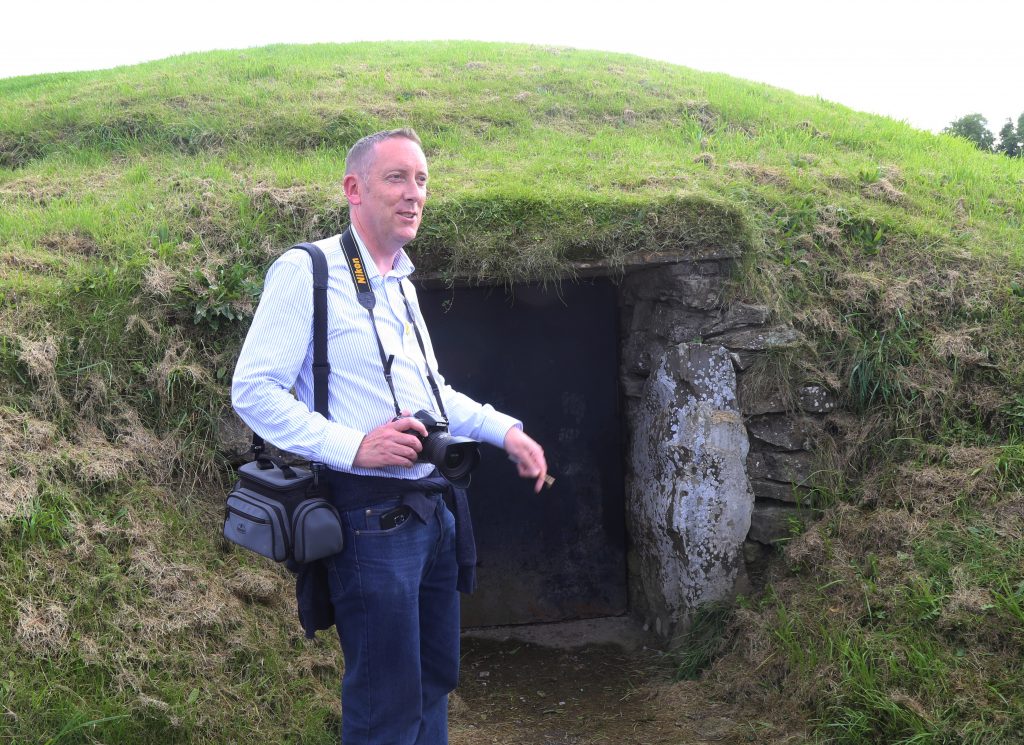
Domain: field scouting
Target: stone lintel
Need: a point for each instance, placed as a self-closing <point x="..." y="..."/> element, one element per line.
<point x="680" y="285"/>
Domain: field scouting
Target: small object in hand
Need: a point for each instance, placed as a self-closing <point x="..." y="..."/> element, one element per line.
<point x="549" y="480"/>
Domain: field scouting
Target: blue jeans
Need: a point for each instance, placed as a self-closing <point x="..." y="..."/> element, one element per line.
<point x="397" y="614"/>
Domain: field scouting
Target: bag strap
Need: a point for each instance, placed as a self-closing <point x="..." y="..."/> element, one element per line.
<point x="265" y="463"/>
<point x="368" y="300"/>
<point x="321" y="365"/>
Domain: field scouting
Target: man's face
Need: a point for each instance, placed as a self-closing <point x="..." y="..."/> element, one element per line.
<point x="391" y="194"/>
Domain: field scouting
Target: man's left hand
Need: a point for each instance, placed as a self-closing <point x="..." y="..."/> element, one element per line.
<point x="527" y="455"/>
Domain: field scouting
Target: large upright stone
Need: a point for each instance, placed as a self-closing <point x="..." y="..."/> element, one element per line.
<point x="689" y="498"/>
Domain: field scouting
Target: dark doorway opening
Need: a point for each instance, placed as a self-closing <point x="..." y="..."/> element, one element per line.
<point x="550" y="357"/>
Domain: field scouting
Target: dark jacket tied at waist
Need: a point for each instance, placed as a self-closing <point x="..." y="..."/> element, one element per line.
<point x="351" y="492"/>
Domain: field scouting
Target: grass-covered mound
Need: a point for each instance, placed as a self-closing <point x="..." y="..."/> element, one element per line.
<point x="141" y="206"/>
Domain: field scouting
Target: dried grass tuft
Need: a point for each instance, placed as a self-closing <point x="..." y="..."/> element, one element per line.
<point x="16" y="495"/>
<point x="764" y="175"/>
<point x="808" y="548"/>
<point x="883" y="190"/>
<point x="99" y="461"/>
<point x="77" y="243"/>
<point x="28" y="446"/>
<point x="42" y="631"/>
<point x="40" y="358"/>
<point x="137" y="322"/>
<point x="178" y="363"/>
<point x="159" y="280"/>
<point x="260" y="587"/>
<point x="1008" y="518"/>
<point x="181" y="597"/>
<point x="90" y="398"/>
<point x="959" y="345"/>
<point x="965" y="598"/>
<point x="931" y="488"/>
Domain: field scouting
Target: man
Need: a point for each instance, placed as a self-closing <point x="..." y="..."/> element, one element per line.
<point x="392" y="590"/>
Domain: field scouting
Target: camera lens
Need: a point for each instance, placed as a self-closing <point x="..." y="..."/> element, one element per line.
<point x="453" y="458"/>
<point x="460" y="457"/>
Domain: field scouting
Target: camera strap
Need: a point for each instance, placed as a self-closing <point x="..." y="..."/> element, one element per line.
<point x="367" y="299"/>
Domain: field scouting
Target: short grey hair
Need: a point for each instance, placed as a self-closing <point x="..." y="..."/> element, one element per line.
<point x="359" y="155"/>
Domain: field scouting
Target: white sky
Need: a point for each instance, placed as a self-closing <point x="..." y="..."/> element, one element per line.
<point x="923" y="62"/>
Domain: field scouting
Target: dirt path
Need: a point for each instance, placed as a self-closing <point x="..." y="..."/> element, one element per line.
<point x="517" y="692"/>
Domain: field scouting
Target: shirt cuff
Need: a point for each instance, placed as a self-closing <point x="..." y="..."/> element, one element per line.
<point x="496" y="426"/>
<point x="339" y="447"/>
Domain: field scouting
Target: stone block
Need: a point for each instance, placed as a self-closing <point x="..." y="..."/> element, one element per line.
<point x="744" y="359"/>
<point x="813" y="399"/>
<point x="736" y="316"/>
<point x="787" y="432"/>
<point x="779" y="491"/>
<point x="676" y="325"/>
<point x="773" y="522"/>
<point x="632" y="385"/>
<point x="640" y="352"/>
<point x="688" y="497"/>
<point x="760" y="339"/>
<point x="754" y="552"/>
<point x="818" y="399"/>
<point x="792" y="467"/>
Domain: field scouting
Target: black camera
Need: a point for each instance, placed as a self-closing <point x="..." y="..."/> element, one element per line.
<point x="454" y="457"/>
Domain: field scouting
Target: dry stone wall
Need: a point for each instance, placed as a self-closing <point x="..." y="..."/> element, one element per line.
<point x="681" y="311"/>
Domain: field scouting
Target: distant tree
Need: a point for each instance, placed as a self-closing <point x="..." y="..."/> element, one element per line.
<point x="1011" y="142"/>
<point x="973" y="127"/>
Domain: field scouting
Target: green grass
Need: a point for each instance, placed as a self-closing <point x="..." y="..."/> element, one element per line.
<point x="140" y="207"/>
<point x="912" y="647"/>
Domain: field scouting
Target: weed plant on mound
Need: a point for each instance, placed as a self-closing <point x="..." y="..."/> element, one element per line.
<point x="141" y="206"/>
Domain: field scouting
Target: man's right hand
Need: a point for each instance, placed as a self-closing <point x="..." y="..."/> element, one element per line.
<point x="391" y="444"/>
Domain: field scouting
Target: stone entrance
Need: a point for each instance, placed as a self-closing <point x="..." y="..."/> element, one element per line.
<point x="713" y="455"/>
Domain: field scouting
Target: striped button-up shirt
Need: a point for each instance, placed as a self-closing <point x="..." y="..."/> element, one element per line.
<point x="278" y="355"/>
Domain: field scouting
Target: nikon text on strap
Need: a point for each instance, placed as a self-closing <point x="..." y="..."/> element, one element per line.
<point x="368" y="300"/>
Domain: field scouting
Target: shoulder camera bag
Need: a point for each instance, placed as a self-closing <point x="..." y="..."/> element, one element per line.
<point x="275" y="509"/>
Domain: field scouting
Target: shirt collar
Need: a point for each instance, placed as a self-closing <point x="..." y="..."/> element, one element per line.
<point x="403" y="265"/>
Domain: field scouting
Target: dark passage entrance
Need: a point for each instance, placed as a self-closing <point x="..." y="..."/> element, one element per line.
<point x="550" y="358"/>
